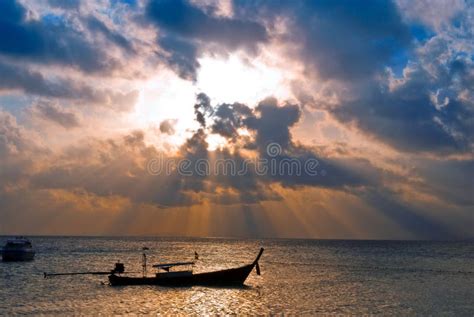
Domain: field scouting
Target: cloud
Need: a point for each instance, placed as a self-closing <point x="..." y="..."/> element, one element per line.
<point x="369" y="69"/>
<point x="228" y="118"/>
<point x="32" y="82"/>
<point x="102" y="169"/>
<point x="181" y="55"/>
<point x="14" y="139"/>
<point x="187" y="21"/>
<point x="187" y="28"/>
<point x="57" y="115"/>
<point x="273" y="122"/>
<point x="202" y="108"/>
<point x="408" y="115"/>
<point x="449" y="178"/>
<point x="21" y="152"/>
<point x="269" y="125"/>
<point x="35" y="83"/>
<point x="65" y="4"/>
<point x="96" y="25"/>
<point x="391" y="82"/>
<point x="114" y="166"/>
<point x="434" y="14"/>
<point x="345" y="41"/>
<point x="37" y="41"/>
<point x="167" y="126"/>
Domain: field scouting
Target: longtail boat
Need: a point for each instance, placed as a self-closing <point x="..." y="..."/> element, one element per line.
<point x="166" y="277"/>
<point x="229" y="277"/>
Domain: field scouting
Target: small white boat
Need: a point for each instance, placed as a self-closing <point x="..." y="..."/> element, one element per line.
<point x="18" y="249"/>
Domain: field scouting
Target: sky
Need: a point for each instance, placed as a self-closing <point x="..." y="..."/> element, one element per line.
<point x="237" y="118"/>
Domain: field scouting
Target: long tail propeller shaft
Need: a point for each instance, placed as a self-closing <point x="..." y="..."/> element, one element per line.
<point x="75" y="273"/>
<point x="119" y="268"/>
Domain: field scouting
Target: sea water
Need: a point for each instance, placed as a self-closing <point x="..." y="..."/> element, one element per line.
<point x="298" y="277"/>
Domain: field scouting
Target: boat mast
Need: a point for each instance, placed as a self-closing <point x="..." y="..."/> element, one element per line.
<point x="144" y="262"/>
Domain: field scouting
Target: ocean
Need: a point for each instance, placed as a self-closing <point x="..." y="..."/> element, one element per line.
<point x="299" y="277"/>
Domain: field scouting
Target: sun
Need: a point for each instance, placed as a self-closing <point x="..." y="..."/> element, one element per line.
<point x="234" y="79"/>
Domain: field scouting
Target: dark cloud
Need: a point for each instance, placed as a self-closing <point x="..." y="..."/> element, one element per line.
<point x="269" y="125"/>
<point x="344" y="40"/>
<point x="45" y="42"/>
<point x="16" y="77"/>
<point x="202" y="108"/>
<point x="55" y="114"/>
<point x="181" y="55"/>
<point x="31" y="82"/>
<point x="228" y="118"/>
<point x="273" y="123"/>
<point x="187" y="28"/>
<point x="167" y="126"/>
<point x="409" y="119"/>
<point x="188" y="21"/>
<point x="195" y="147"/>
<point x="270" y="122"/>
<point x="95" y="25"/>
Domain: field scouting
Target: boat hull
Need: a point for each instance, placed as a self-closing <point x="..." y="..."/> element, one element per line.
<point x="17" y="255"/>
<point x="230" y="277"/>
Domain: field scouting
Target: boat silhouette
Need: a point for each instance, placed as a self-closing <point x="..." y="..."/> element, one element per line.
<point x="228" y="277"/>
<point x="17" y="249"/>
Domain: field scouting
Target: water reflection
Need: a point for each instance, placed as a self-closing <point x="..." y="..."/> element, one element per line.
<point x="298" y="277"/>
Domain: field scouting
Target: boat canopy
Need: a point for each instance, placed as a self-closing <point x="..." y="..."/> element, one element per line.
<point x="19" y="241"/>
<point x="168" y="265"/>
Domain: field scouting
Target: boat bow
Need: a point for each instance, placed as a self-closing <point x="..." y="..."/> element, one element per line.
<point x="255" y="263"/>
